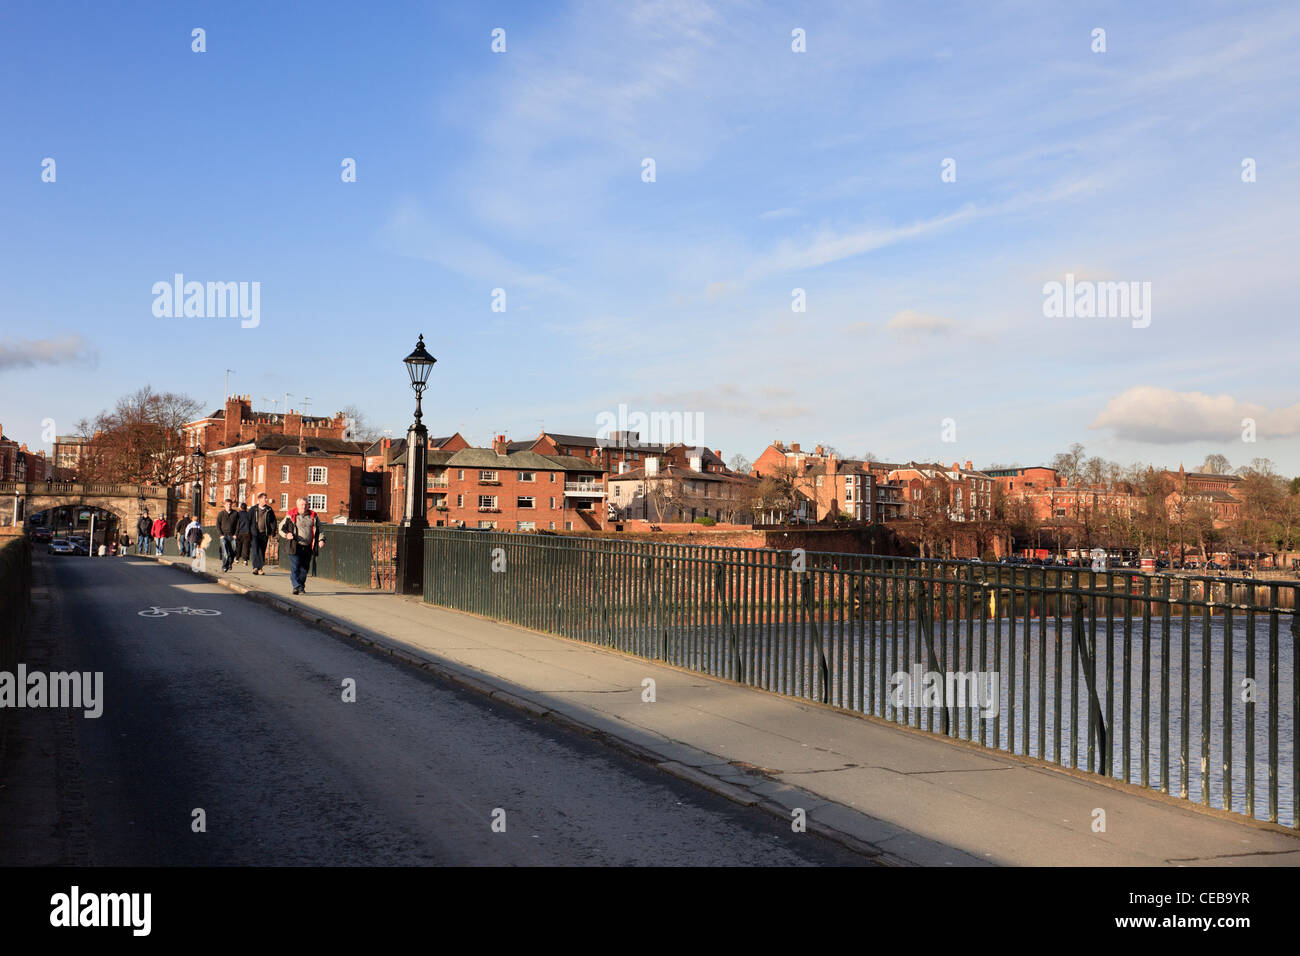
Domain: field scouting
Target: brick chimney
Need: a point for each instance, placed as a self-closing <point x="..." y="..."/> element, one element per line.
<point x="832" y="466"/>
<point x="969" y="466"/>
<point x="234" y="419"/>
<point x="499" y="445"/>
<point x="794" y="446"/>
<point x="292" y="423"/>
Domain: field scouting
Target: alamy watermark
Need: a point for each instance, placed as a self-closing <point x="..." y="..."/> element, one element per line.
<point x="80" y="691"/>
<point x="211" y="300"/>
<point x="917" y="687"/>
<point x="638" y="429"/>
<point x="1087" y="299"/>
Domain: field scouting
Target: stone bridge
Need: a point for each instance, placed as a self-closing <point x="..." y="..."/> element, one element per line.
<point x="124" y="501"/>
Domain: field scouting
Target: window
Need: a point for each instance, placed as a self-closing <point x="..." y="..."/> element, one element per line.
<point x="552" y="477"/>
<point x="243" y="468"/>
<point x="316" y="475"/>
<point x="228" y="469"/>
<point x="487" y="525"/>
<point x="225" y="492"/>
<point x="284" y="475"/>
<point x="243" y="492"/>
<point x="527" y="476"/>
<point x="214" y="473"/>
<point x="568" y="526"/>
<point x="261" y="473"/>
<point x="525" y="525"/>
<point x="316" y="502"/>
<point x="916" y="494"/>
<point x="819" y="481"/>
<point x="524" y="502"/>
<point x="212" y="494"/>
<point x="552" y="502"/>
<point x="460" y="501"/>
<point x="460" y="474"/>
<point x="284" y="503"/>
<point x="848" y="492"/>
<point x="487" y="502"/>
<point x="552" y="525"/>
<point x="371" y="504"/>
<point x="487" y="476"/>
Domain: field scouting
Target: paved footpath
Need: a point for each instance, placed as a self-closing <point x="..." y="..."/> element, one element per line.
<point x="902" y="796"/>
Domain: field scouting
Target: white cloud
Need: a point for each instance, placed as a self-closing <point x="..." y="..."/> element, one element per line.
<point x="29" y="353"/>
<point x="1163" y="416"/>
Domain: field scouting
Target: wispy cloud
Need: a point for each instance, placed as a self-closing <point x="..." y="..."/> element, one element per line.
<point x="30" y="353"/>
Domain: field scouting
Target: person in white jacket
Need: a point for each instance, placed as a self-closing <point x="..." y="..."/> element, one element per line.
<point x="198" y="541"/>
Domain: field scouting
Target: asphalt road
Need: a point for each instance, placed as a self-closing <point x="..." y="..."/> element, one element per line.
<point x="241" y="714"/>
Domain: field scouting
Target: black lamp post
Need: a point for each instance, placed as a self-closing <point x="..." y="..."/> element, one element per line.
<point x="411" y="561"/>
<point x="197" y="459"/>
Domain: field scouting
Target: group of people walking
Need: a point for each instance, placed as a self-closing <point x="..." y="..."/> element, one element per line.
<point x="244" y="535"/>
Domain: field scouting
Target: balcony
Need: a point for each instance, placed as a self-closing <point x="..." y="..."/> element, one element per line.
<point x="439" y="483"/>
<point x="590" y="489"/>
<point x="485" y="510"/>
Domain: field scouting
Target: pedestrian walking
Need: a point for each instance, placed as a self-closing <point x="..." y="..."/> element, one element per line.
<point x="301" y="533"/>
<point x="182" y="543"/>
<point x="143" y="531"/>
<point x="243" y="533"/>
<point x="226" y="518"/>
<point x="159" y="535"/>
<point x="198" y="543"/>
<point x="262" y="525"/>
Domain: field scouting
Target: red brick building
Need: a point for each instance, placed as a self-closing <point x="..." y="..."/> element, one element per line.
<point x="325" y="471"/>
<point x="237" y="423"/>
<point x="18" y="463"/>
<point x="496" y="488"/>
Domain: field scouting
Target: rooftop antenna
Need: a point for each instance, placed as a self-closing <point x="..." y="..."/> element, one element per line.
<point x="274" y="402"/>
<point x="306" y="407"/>
<point x="228" y="371"/>
<point x="286" y="402"/>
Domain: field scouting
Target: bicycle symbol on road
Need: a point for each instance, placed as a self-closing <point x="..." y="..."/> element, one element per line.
<point x="165" y="611"/>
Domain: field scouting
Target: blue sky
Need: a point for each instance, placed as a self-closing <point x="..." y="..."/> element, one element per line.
<point x="774" y="170"/>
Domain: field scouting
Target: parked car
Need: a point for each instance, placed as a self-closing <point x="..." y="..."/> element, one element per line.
<point x="42" y="535"/>
<point x="61" y="547"/>
<point x="1213" y="566"/>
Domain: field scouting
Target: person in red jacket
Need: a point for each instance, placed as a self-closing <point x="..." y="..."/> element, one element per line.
<point x="301" y="533"/>
<point x="159" y="534"/>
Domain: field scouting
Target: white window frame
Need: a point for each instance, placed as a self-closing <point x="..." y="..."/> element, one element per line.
<point x="485" y="475"/>
<point x="318" y="503"/>
<point x="243" y="468"/>
<point x="525" y="525"/>
<point x="528" y="476"/>
<point x="284" y="502"/>
<point x="261" y="473"/>
<point x="531" y="506"/>
<point x="490" y="499"/>
<point x="312" y="471"/>
<point x="284" y="474"/>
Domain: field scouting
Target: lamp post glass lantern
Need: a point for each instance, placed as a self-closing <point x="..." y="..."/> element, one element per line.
<point x="418" y="365"/>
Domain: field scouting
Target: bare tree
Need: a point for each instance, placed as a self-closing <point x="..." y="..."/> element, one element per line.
<point x="740" y="464"/>
<point x="1069" y="464"/>
<point x="359" y="426"/>
<point x="140" y="440"/>
<point x="1216" y="465"/>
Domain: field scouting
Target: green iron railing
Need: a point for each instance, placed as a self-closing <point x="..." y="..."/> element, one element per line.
<point x="1112" y="672"/>
<point x="364" y="555"/>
